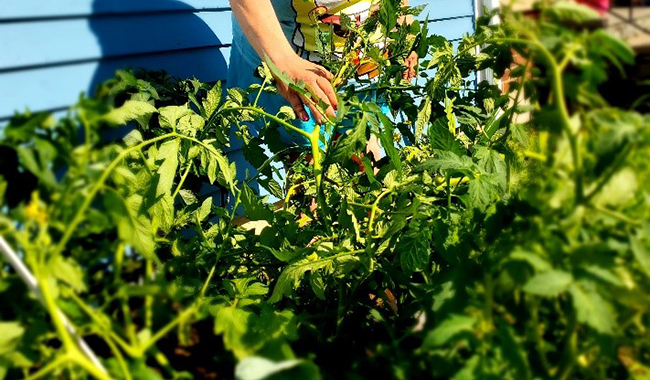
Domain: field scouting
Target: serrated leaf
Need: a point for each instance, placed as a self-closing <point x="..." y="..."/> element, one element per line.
<point x="424" y="114"/>
<point x="190" y="124"/>
<point x="216" y="160"/>
<point x="293" y="274"/>
<point x="205" y="209"/>
<point x="212" y="99"/>
<point x="168" y="153"/>
<point x="591" y="308"/>
<point x="170" y="115"/>
<point x="233" y="323"/>
<point x="133" y="224"/>
<point x="69" y="272"/>
<point x="351" y="142"/>
<point x="130" y="110"/>
<point x="450" y="163"/>
<point x="188" y="197"/>
<point x="133" y="138"/>
<point x="442" y="139"/>
<point x="571" y="11"/>
<point x="254" y="207"/>
<point x="413" y="248"/>
<point x="551" y="283"/>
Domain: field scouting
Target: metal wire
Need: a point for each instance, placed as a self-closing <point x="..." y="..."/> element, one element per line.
<point x="28" y="278"/>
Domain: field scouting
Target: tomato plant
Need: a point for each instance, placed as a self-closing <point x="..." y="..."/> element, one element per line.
<point x="502" y="235"/>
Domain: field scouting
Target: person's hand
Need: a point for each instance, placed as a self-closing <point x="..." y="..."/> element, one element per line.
<point x="317" y="78"/>
<point x="410" y="63"/>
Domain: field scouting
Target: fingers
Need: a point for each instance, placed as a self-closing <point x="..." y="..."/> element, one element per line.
<point x="296" y="104"/>
<point x="410" y="62"/>
<point x="315" y="111"/>
<point x="327" y="88"/>
<point x="323" y="72"/>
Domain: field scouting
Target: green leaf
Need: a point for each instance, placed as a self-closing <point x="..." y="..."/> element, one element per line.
<point x="253" y="205"/>
<point x="550" y="283"/>
<point x="388" y="10"/>
<point x="591" y="308"/>
<point x="162" y="214"/>
<point x="68" y="271"/>
<point x="639" y="246"/>
<point x="449" y="328"/>
<point x="10" y="334"/>
<point x="212" y="99"/>
<point x="414" y="248"/>
<point x="133" y="138"/>
<point x="469" y="370"/>
<point x="170" y="115"/>
<point x="190" y="125"/>
<point x="205" y="209"/>
<point x="442" y="139"/>
<point x="293" y="274"/>
<point x="353" y="141"/>
<point x="571" y="11"/>
<point x="188" y="197"/>
<point x="258" y="368"/>
<point x="130" y="110"/>
<point x="484" y="190"/>
<point x="216" y="160"/>
<point x="168" y="153"/>
<point x="133" y="224"/>
<point x="449" y="162"/>
<point x="233" y="323"/>
<point x="424" y="115"/>
<point x="386" y="138"/>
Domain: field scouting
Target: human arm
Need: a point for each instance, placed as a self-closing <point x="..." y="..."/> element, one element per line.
<point x="261" y="27"/>
<point x="411" y="61"/>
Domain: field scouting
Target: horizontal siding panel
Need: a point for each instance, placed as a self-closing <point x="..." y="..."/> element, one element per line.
<point x="47" y="42"/>
<point x="58" y="87"/>
<point x="443" y="9"/>
<point x="21" y="9"/>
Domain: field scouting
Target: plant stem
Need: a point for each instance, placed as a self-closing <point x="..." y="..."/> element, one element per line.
<point x="54" y="364"/>
<point x="182" y="180"/>
<point x="148" y="299"/>
<point x="98" y="185"/>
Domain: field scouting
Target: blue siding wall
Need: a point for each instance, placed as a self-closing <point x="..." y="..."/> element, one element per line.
<point x="52" y="50"/>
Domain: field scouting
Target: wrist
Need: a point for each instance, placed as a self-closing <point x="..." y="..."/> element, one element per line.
<point x="281" y="57"/>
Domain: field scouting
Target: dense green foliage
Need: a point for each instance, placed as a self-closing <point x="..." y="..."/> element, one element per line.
<point x="503" y="235"/>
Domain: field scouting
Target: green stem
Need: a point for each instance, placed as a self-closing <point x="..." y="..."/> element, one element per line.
<point x="448" y="196"/>
<point x="54" y="364"/>
<point x="260" y="111"/>
<point x="55" y="314"/>
<point x="119" y="357"/>
<point x="226" y="235"/>
<point x="292" y="190"/>
<point x="167" y="328"/>
<point x="106" y="329"/>
<point x="537" y="337"/>
<point x="98" y="185"/>
<point x="182" y="180"/>
<point x="561" y="106"/>
<point x="89" y="367"/>
<point x="148" y="299"/>
<point x="259" y="93"/>
<point x="373" y="210"/>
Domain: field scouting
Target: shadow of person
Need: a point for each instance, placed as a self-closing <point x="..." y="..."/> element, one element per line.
<point x="165" y="35"/>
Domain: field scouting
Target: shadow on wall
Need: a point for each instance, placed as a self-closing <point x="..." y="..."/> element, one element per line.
<point x="157" y="35"/>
